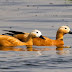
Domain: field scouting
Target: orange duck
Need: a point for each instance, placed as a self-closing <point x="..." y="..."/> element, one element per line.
<point x="6" y="40"/>
<point x="40" y="42"/>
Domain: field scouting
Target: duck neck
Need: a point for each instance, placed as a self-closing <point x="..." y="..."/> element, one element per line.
<point x="59" y="36"/>
<point x="29" y="39"/>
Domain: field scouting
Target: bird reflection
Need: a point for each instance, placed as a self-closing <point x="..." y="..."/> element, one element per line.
<point x="62" y="51"/>
<point x="59" y="50"/>
<point x="2" y="48"/>
<point x="10" y="49"/>
<point x="29" y="48"/>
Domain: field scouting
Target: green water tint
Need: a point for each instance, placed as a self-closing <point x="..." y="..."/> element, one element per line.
<point x="68" y="0"/>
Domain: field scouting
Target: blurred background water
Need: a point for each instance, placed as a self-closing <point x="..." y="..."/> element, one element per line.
<point x="45" y="15"/>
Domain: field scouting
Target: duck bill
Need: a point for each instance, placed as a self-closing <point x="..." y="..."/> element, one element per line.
<point x="42" y="37"/>
<point x="70" y="32"/>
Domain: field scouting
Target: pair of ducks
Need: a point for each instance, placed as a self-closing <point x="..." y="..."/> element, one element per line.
<point x="21" y="38"/>
<point x="6" y="40"/>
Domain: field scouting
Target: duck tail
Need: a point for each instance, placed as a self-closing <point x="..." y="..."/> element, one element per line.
<point x="11" y="34"/>
<point x="14" y="32"/>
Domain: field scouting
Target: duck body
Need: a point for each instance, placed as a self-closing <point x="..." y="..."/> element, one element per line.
<point x="10" y="41"/>
<point x="47" y="42"/>
<point x="39" y="41"/>
<point x="6" y="40"/>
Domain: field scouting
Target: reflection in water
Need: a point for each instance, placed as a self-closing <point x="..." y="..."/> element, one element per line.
<point x="59" y="51"/>
<point x="10" y="49"/>
<point x="2" y="48"/>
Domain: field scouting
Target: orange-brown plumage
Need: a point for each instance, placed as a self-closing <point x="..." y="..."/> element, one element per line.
<point x="10" y="41"/>
<point x="6" y="40"/>
<point x="47" y="42"/>
<point x="41" y="42"/>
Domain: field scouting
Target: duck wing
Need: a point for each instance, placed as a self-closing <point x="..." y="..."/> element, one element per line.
<point x="6" y="40"/>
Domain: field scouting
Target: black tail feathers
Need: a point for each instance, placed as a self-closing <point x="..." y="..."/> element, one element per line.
<point x="15" y="32"/>
<point x="11" y="32"/>
<point x="8" y="34"/>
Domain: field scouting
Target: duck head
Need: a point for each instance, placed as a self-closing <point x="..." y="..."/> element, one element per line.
<point x="36" y="33"/>
<point x="62" y="31"/>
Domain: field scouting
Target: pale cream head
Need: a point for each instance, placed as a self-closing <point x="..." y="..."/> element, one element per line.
<point x="36" y="33"/>
<point x="64" y="29"/>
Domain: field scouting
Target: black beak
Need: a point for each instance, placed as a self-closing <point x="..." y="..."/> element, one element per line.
<point x="42" y="37"/>
<point x="70" y="32"/>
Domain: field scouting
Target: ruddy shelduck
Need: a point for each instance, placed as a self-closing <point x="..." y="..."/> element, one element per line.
<point x="40" y="42"/>
<point x="6" y="40"/>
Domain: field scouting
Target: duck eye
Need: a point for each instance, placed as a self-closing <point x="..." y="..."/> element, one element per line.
<point x="65" y="28"/>
<point x="36" y="32"/>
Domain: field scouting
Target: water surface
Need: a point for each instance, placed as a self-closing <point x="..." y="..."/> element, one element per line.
<point x="45" y="15"/>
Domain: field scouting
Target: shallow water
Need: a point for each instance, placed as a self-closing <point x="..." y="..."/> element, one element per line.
<point x="45" y="15"/>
